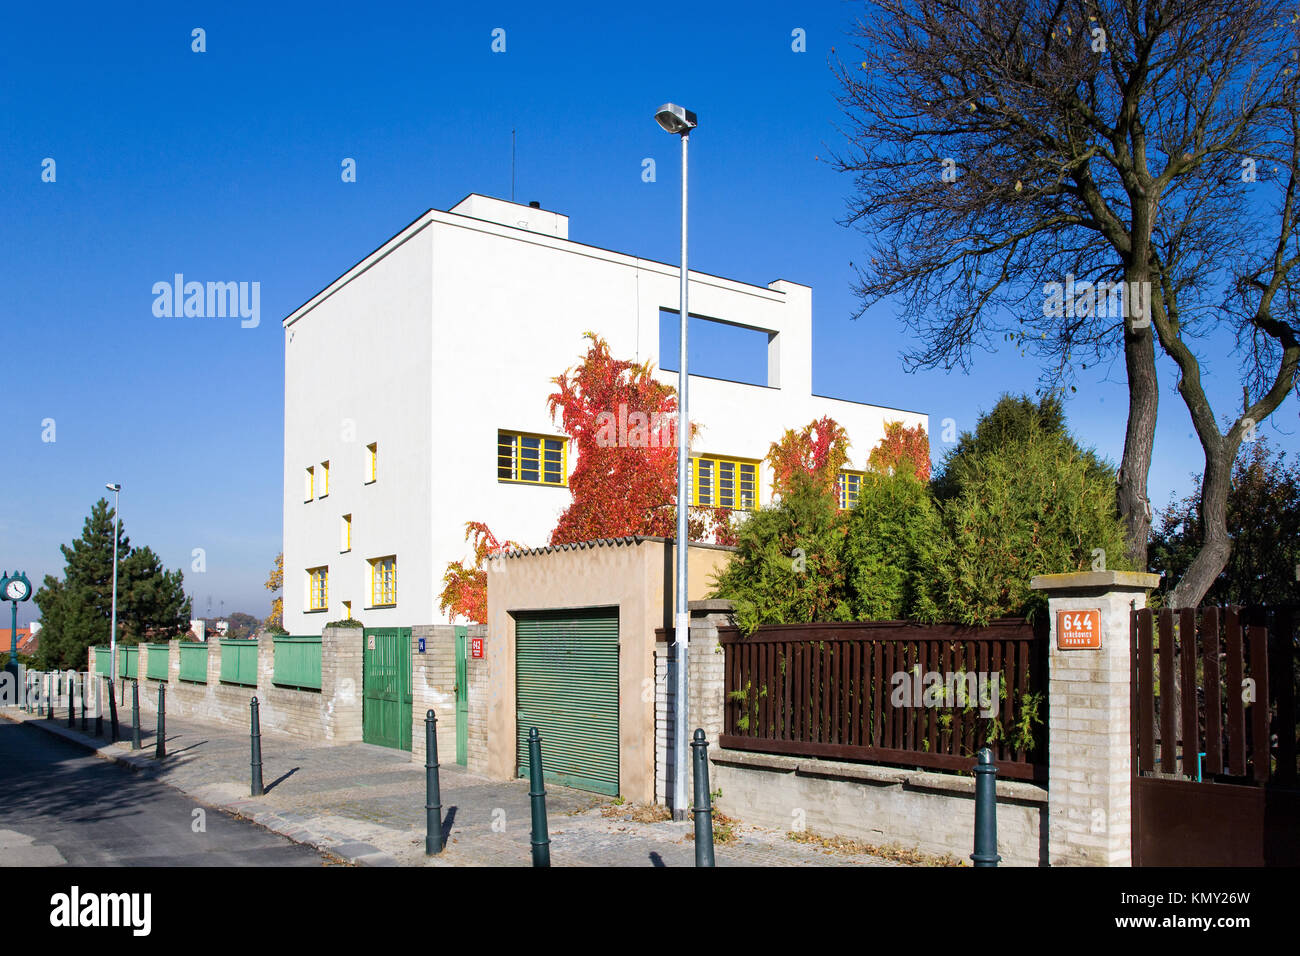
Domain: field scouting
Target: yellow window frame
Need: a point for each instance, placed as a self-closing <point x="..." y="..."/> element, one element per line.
<point x="719" y="482"/>
<point x="325" y="478"/>
<point x="848" y="487"/>
<point x="311" y="482"/>
<point x="320" y="588"/>
<point x="347" y="532"/>
<point x="548" y="459"/>
<point x="372" y="451"/>
<point x="383" y="581"/>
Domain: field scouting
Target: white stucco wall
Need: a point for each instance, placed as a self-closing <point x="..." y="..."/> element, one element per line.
<point x="356" y="372"/>
<point x="465" y="323"/>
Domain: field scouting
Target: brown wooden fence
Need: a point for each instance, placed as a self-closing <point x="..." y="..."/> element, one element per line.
<point x="858" y="692"/>
<point x="1223" y="686"/>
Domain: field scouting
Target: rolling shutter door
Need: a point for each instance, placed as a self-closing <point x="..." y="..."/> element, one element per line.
<point x="566" y="672"/>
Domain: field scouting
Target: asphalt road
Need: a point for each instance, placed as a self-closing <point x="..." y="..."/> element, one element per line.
<point x="62" y="805"/>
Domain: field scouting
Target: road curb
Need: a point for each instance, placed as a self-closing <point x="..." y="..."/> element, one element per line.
<point x="339" y="846"/>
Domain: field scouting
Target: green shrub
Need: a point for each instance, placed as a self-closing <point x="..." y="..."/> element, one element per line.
<point x="893" y="536"/>
<point x="788" y="568"/>
<point x="1039" y="505"/>
<point x="346" y="622"/>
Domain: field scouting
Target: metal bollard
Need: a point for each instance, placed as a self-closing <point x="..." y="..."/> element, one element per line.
<point x="72" y="699"/>
<point x="99" y="705"/>
<point x="703" y="806"/>
<point x="432" y="789"/>
<point x="160" y="747"/>
<point x="986" y="811"/>
<point x="135" y="715"/>
<point x="256" y="744"/>
<point x="83" y="701"/>
<point x="540" y="839"/>
<point x="112" y="707"/>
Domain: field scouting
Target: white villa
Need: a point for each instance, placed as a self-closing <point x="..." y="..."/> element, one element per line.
<point x="415" y="399"/>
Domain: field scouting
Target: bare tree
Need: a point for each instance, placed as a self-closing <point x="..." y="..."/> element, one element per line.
<point x="1081" y="178"/>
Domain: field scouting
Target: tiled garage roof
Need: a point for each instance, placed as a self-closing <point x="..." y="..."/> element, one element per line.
<point x="626" y="541"/>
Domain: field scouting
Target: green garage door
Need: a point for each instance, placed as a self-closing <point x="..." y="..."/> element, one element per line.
<point x="566" y="673"/>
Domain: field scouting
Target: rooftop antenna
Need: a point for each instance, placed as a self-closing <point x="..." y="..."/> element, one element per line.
<point x="512" y="165"/>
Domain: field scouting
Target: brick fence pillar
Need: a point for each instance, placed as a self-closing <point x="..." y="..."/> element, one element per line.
<point x="1089" y="734"/>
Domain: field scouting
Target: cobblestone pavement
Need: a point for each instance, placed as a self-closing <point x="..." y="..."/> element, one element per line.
<point x="366" y="804"/>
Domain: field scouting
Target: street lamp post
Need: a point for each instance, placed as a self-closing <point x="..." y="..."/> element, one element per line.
<point x="678" y="121"/>
<point x="112" y="633"/>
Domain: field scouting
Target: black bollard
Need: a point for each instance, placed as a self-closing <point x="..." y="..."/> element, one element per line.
<point x="256" y="761"/>
<point x="432" y="790"/>
<point x="540" y="839"/>
<point x="135" y="715"/>
<point x="160" y="747"/>
<point x="72" y="699"/>
<point x="99" y="705"/>
<point x="986" y="811"/>
<point x="703" y="805"/>
<point x="84" y="680"/>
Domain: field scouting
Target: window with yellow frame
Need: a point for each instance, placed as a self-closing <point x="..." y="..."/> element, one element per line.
<point x="532" y="459"/>
<point x="372" y="461"/>
<point x="324" y="478"/>
<point x="345" y="535"/>
<point x="848" y="486"/>
<point x="320" y="590"/>
<point x="310" y="487"/>
<point x="724" y="483"/>
<point x="383" y="581"/>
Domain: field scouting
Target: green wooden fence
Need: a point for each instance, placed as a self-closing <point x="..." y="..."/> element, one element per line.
<point x="103" y="659"/>
<point x="194" y="662"/>
<point x="239" y="662"/>
<point x="128" y="661"/>
<point x="297" y="662"/>
<point x="156" y="661"/>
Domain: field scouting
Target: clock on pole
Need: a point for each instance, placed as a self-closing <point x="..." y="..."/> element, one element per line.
<point x="15" y="587"/>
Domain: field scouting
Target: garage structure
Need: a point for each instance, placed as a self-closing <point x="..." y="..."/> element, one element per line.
<point x="571" y="639"/>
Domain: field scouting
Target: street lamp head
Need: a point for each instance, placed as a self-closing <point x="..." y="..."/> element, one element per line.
<point x="112" y="486"/>
<point x="676" y="119"/>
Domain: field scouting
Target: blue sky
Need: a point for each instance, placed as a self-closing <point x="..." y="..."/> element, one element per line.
<point x="225" y="166"/>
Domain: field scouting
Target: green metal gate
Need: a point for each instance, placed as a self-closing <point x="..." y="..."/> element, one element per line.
<point x="386" y="673"/>
<point x="566" y="673"/>
<point x="462" y="695"/>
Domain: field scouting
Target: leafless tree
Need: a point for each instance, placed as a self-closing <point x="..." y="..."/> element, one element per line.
<point x="999" y="147"/>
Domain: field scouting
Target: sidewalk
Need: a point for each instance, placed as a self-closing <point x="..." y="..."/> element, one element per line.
<point x="365" y="804"/>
